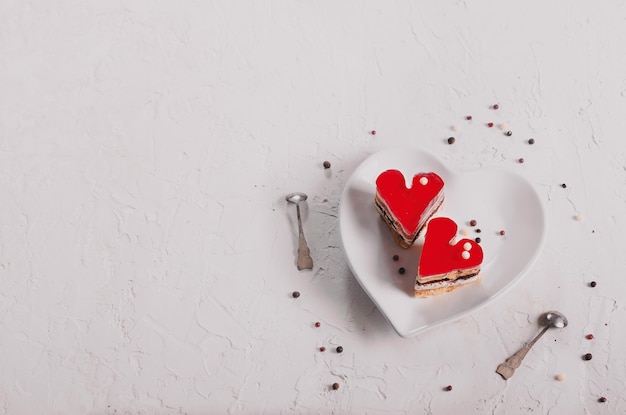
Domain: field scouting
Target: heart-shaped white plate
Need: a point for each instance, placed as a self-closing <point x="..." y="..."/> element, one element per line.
<point x="496" y="198"/>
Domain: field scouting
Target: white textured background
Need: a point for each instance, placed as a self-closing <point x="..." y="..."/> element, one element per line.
<point x="147" y="253"/>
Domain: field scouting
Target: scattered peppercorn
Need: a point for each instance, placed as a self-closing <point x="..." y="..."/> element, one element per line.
<point x="401" y="270"/>
<point x="295" y="294"/>
<point x="563" y="185"/>
<point x="531" y="141"/>
<point x="490" y="124"/>
<point x="448" y="388"/>
<point x="478" y="240"/>
<point x="317" y="324"/>
<point x="327" y="164"/>
<point x="339" y="349"/>
<point x="396" y="257"/>
<point x="496" y="106"/>
<point x="589" y="336"/>
<point x="473" y="222"/>
<point x="502" y="232"/>
<point x="587" y="356"/>
<point x="469" y="117"/>
<point x="602" y="399"/>
<point x="322" y="349"/>
<point x="521" y="160"/>
<point x="335" y="386"/>
<point x="478" y="230"/>
<point x="593" y="284"/>
<point x="451" y="140"/>
<point x="373" y="132"/>
<point x="509" y="133"/>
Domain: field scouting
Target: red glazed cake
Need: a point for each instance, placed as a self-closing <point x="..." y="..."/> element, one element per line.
<point x="445" y="265"/>
<point x="406" y="210"/>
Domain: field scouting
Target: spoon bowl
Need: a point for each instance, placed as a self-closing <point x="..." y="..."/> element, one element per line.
<point x="553" y="319"/>
<point x="296" y="197"/>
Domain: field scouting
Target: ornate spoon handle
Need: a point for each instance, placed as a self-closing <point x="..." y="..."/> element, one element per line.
<point x="507" y="369"/>
<point x="304" y="254"/>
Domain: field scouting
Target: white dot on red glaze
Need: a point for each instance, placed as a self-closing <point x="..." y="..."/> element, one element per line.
<point x="467" y="246"/>
<point x="423" y="181"/>
<point x="465" y="255"/>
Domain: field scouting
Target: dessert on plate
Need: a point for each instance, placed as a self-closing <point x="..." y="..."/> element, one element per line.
<point x="444" y="264"/>
<point x="406" y="210"/>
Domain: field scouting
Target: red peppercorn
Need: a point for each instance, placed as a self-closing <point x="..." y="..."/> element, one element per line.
<point x="521" y="160"/>
<point x="589" y="336"/>
<point x="373" y="132"/>
<point x="490" y="124"/>
<point x="473" y="222"/>
<point x="448" y="388"/>
<point x="502" y="232"/>
<point x="602" y="399"/>
<point x="335" y="386"/>
<point x="469" y="117"/>
<point x="496" y="106"/>
<point x="322" y="349"/>
<point x="327" y="164"/>
<point x="317" y="324"/>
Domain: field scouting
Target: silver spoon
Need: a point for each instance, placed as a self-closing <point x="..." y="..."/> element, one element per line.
<point x="304" y="254"/>
<point x="549" y="320"/>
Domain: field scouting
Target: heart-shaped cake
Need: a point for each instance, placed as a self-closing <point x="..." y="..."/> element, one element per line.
<point x="404" y="209"/>
<point x="444" y="264"/>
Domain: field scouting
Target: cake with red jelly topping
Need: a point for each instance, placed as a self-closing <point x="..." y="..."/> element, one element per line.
<point x="444" y="264"/>
<point x="406" y="210"/>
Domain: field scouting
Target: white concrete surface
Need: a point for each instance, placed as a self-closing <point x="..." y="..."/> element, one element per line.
<point x="146" y="251"/>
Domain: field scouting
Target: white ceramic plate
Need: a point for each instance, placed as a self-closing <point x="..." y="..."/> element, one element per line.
<point x="497" y="199"/>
